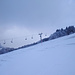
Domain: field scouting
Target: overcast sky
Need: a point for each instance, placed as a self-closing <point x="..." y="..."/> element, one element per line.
<point x="22" y="17"/>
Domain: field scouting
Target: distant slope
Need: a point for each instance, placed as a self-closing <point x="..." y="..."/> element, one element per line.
<point x="55" y="57"/>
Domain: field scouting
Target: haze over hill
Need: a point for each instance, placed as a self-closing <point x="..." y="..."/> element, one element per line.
<point x="19" y="18"/>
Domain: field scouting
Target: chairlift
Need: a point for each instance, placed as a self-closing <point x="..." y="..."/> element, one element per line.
<point x="45" y="34"/>
<point x="25" y="38"/>
<point x="4" y="42"/>
<point x="12" y="41"/>
<point x="32" y="37"/>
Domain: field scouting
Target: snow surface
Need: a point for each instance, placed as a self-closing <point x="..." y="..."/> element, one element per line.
<point x="55" y="57"/>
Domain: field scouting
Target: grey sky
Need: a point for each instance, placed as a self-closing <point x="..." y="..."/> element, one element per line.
<point x="22" y="17"/>
<point x="37" y="13"/>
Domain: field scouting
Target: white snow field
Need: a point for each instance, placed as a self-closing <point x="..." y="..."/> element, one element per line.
<point x="55" y="57"/>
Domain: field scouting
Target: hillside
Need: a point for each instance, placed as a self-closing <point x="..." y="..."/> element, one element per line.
<point x="54" y="57"/>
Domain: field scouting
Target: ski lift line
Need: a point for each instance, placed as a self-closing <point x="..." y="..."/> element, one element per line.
<point x="23" y="37"/>
<point x="6" y="39"/>
<point x="19" y="37"/>
<point x="15" y="37"/>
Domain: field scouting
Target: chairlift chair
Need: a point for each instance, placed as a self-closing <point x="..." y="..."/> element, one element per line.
<point x="32" y="37"/>
<point x="4" y="42"/>
<point x="45" y="34"/>
<point x="25" y="38"/>
<point x="12" y="41"/>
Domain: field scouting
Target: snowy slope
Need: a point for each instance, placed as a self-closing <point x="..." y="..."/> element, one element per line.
<point x="55" y="57"/>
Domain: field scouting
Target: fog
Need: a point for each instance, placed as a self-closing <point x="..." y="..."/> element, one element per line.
<point x="25" y="18"/>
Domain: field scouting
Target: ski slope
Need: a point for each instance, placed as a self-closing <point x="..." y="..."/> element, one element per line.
<point x="55" y="57"/>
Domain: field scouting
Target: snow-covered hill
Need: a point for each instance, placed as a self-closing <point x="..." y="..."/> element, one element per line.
<point x="55" y="57"/>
